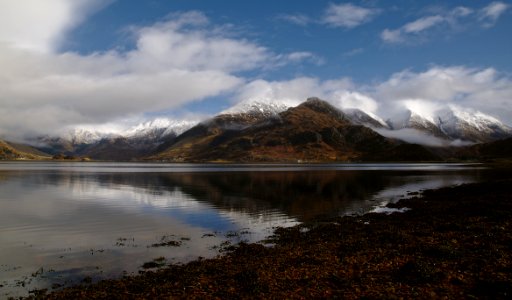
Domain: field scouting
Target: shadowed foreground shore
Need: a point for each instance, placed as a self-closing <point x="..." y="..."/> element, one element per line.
<point x="453" y="243"/>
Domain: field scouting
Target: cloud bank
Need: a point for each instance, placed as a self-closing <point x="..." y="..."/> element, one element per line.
<point x="185" y="58"/>
<point x="340" y="92"/>
<point x="180" y="60"/>
<point x="485" y="90"/>
<point x="41" y="25"/>
<point x="414" y="136"/>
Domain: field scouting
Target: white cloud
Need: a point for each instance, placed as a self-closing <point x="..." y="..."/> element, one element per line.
<point x="348" y="15"/>
<point x="490" y="14"/>
<point x="339" y="92"/>
<point x="461" y="11"/>
<point x="424" y="93"/>
<point x="422" y="24"/>
<point x="353" y="52"/>
<point x="453" y="20"/>
<point x="437" y="83"/>
<point x="188" y="42"/>
<point x="41" y="25"/>
<point x="297" y="19"/>
<point x="186" y="59"/>
<point x="297" y="57"/>
<point x="485" y="90"/>
<point x="391" y="36"/>
<point x="175" y="62"/>
<point x="353" y="99"/>
<point x="290" y="93"/>
<point x="414" y="136"/>
<point x="412" y="29"/>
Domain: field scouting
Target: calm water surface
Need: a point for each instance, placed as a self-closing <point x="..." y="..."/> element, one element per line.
<point x="63" y="222"/>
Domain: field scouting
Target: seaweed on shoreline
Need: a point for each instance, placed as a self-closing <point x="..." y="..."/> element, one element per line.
<point x="454" y="242"/>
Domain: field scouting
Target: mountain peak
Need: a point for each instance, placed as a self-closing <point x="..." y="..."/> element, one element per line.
<point x="80" y="135"/>
<point x="314" y="131"/>
<point x="314" y="99"/>
<point x="453" y="123"/>
<point x="359" y="117"/>
<point x="257" y="107"/>
<point x="459" y="123"/>
<point x="318" y="105"/>
<point x="159" y="126"/>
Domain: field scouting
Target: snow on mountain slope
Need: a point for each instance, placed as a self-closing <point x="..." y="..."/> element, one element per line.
<point x="359" y="117"/>
<point x="259" y="107"/>
<point x="453" y="123"/>
<point x="159" y="128"/>
<point x="269" y="108"/>
<point x="79" y="136"/>
<point x="143" y="136"/>
<point x="446" y="123"/>
<point x="467" y="124"/>
<point x="151" y="130"/>
<point x="413" y="120"/>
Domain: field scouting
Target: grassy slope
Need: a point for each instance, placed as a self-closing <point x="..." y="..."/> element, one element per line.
<point x="13" y="151"/>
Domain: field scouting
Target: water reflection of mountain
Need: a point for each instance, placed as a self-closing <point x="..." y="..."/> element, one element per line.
<point x="300" y="194"/>
<point x="304" y="195"/>
<point x="58" y="208"/>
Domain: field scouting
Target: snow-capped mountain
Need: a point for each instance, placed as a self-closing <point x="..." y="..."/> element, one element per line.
<point x="153" y="131"/>
<point x="449" y="125"/>
<point x="158" y="129"/>
<point x="258" y="107"/>
<point x="79" y="136"/>
<point x="267" y="108"/>
<point x="137" y="140"/>
<point x="453" y="123"/>
<point x="413" y="120"/>
<point x="359" y="117"/>
<point x="471" y="125"/>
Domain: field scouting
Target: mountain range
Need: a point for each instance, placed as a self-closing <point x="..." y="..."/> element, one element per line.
<point x="314" y="131"/>
<point x="134" y="143"/>
<point x="453" y="123"/>
<point x="261" y="131"/>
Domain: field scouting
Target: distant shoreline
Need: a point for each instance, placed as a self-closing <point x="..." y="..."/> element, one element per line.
<point x="454" y="242"/>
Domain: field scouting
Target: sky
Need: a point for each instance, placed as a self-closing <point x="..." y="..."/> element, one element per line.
<point x="114" y="63"/>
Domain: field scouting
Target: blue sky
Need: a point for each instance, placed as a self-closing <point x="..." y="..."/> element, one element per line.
<point x="355" y="50"/>
<point x="120" y="62"/>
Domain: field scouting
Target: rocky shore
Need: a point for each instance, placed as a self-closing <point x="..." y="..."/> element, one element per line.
<point x="453" y="243"/>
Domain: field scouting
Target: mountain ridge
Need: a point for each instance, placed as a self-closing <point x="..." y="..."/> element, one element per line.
<point x="453" y="123"/>
<point x="313" y="131"/>
<point x="256" y="127"/>
<point x="132" y="143"/>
